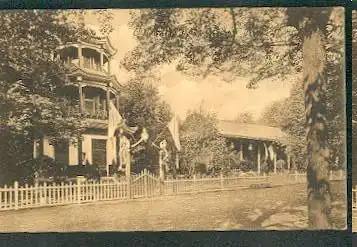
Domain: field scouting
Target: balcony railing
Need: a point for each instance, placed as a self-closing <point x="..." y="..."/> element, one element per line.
<point x="90" y="63"/>
<point x="71" y="61"/>
<point x="97" y="114"/>
<point x="100" y="114"/>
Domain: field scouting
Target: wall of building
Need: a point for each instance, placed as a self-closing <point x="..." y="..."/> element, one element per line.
<point x="73" y="154"/>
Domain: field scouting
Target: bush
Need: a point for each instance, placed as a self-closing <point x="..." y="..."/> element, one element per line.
<point x="245" y="165"/>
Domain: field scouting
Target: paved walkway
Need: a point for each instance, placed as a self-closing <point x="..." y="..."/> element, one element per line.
<point x="278" y="208"/>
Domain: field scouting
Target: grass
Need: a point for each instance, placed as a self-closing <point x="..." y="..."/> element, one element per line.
<point x="278" y="208"/>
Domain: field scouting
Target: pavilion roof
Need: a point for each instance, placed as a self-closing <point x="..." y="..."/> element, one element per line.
<point x="232" y="129"/>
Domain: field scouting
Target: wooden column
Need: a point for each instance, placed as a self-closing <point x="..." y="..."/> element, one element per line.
<point x="80" y="150"/>
<point x="128" y="168"/>
<point x="288" y="161"/>
<point x="109" y="146"/>
<point x="108" y="100"/>
<point x="241" y="152"/>
<point x="258" y="157"/>
<point x="108" y="65"/>
<point x="81" y="99"/>
<point x="80" y="56"/>
<point x="101" y="61"/>
<point x="79" y="140"/>
<point x="177" y="161"/>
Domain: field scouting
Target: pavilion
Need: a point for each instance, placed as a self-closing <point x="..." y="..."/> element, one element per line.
<point x="256" y="142"/>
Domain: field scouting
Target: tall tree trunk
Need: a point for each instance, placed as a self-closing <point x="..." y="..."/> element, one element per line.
<point x="319" y="196"/>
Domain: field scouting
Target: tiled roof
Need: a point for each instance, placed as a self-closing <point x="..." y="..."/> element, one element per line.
<point x="251" y="131"/>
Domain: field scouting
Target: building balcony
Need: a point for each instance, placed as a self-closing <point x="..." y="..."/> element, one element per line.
<point x="86" y="58"/>
<point x="88" y="64"/>
<point x="98" y="114"/>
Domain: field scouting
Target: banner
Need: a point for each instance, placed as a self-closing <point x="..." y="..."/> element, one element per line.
<point x="114" y="120"/>
<point x="174" y="130"/>
<point x="266" y="151"/>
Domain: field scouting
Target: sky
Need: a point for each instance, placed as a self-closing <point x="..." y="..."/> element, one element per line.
<point x="184" y="93"/>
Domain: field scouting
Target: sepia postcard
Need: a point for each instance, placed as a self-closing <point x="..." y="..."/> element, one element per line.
<point x="214" y="119"/>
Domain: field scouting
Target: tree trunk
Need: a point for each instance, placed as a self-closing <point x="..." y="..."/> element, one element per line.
<point x="319" y="196"/>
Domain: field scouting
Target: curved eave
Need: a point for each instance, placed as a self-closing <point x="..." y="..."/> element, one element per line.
<point x="104" y="44"/>
<point x="93" y="75"/>
<point x="107" y="45"/>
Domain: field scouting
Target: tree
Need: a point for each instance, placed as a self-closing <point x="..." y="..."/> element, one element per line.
<point x="354" y="96"/>
<point x="142" y="106"/>
<point x="292" y="123"/>
<point x="263" y="42"/>
<point x="201" y="142"/>
<point x="273" y="114"/>
<point x="30" y="77"/>
<point x="245" y="117"/>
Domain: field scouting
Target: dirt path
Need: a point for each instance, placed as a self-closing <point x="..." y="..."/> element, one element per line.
<point x="271" y="208"/>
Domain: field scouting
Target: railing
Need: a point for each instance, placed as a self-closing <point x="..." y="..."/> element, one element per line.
<point x="96" y="114"/>
<point x="90" y="113"/>
<point x="89" y="63"/>
<point x="143" y="185"/>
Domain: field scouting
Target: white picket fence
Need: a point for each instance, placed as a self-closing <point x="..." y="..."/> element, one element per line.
<point x="142" y="186"/>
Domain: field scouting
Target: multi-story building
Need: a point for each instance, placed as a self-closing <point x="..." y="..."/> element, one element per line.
<point x="92" y="83"/>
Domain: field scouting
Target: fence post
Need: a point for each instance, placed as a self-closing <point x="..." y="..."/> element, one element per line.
<point x="146" y="182"/>
<point x="78" y="190"/>
<point x="36" y="193"/>
<point x="16" y="192"/>
<point x="129" y="185"/>
<point x="222" y="181"/>
<point x="62" y="192"/>
<point x="45" y="190"/>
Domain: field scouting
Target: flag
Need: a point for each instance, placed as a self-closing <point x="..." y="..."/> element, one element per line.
<point x="272" y="153"/>
<point x="173" y="127"/>
<point x="114" y="119"/>
<point x="266" y="151"/>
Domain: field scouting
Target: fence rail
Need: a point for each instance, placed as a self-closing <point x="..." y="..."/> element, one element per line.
<point x="143" y="185"/>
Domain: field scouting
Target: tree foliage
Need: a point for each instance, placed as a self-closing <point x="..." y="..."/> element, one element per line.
<point x="202" y="143"/>
<point x="142" y="106"/>
<point x="240" y="41"/>
<point x="245" y="117"/>
<point x="273" y="113"/>
<point x="30" y="106"/>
